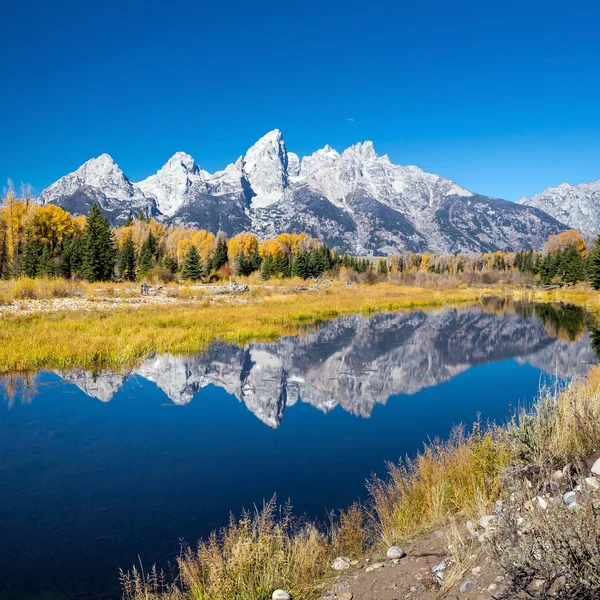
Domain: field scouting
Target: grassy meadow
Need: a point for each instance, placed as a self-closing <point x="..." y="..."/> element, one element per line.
<point x="119" y="334"/>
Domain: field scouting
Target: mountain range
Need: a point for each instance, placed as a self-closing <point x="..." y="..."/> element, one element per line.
<point x="354" y="362"/>
<point x="356" y="201"/>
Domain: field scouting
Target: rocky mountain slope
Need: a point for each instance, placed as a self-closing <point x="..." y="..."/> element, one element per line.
<point x="99" y="180"/>
<point x="577" y="206"/>
<point x="356" y="201"/>
<point x="354" y="362"/>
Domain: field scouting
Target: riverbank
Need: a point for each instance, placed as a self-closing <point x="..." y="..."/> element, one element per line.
<point x="117" y="330"/>
<point x="505" y="512"/>
<point x="55" y="324"/>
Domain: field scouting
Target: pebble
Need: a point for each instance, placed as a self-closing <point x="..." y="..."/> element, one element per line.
<point x="477" y="570"/>
<point x="395" y="552"/>
<point x="345" y="595"/>
<point x="569" y="497"/>
<point x="340" y="563"/>
<point x="592" y="482"/>
<point x="596" y="467"/>
<point x="488" y="521"/>
<point x="467" y="586"/>
<point x="281" y="595"/>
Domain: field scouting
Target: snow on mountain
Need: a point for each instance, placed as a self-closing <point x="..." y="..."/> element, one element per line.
<point x="179" y="178"/>
<point x="266" y="169"/>
<point x="98" y="180"/>
<point x="325" y="157"/>
<point x="577" y="206"/>
<point x="356" y="201"/>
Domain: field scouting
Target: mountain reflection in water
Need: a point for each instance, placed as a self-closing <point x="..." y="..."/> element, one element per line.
<point x="357" y="362"/>
<point x="87" y="486"/>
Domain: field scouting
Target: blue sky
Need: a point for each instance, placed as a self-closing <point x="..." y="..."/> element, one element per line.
<point x="503" y="97"/>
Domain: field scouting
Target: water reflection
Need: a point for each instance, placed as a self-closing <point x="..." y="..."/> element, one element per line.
<point x="357" y="362"/>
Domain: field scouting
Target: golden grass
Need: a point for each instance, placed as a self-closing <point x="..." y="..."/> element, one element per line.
<point x="561" y="428"/>
<point x="124" y="335"/>
<point x="460" y="476"/>
<point x="249" y="559"/>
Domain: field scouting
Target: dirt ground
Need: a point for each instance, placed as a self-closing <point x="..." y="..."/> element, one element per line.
<point x="411" y="577"/>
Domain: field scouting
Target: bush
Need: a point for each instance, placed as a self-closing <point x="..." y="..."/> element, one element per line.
<point x="553" y="553"/>
<point x="161" y="275"/>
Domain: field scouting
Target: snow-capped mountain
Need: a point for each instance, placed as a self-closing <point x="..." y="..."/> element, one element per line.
<point x="356" y="201"/>
<point x="99" y="180"/>
<point x="178" y="180"/>
<point x="577" y="206"/>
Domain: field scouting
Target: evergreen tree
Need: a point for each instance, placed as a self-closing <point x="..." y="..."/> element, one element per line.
<point x="30" y="256"/>
<point x="127" y="259"/>
<point x="46" y="266"/>
<point x="382" y="268"/>
<point x="98" y="252"/>
<point x="281" y="267"/>
<point x="266" y="269"/>
<point x="300" y="266"/>
<point x="316" y="263"/>
<point x="192" y="266"/>
<point x="168" y="262"/>
<point x="220" y="256"/>
<point x="71" y="257"/>
<point x="142" y="216"/>
<point x="572" y="265"/>
<point x="593" y="269"/>
<point x="147" y="257"/>
<point x="128" y="222"/>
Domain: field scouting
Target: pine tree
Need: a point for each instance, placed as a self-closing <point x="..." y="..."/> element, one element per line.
<point x="99" y="252"/>
<point x="192" y="266"/>
<point x="266" y="269"/>
<point x="281" y="267"/>
<point x="168" y="262"/>
<point x="382" y="268"/>
<point x="30" y="256"/>
<point x="46" y="266"/>
<point x="220" y="256"/>
<point x="572" y="265"/>
<point x="316" y="263"/>
<point x="593" y="268"/>
<point x="147" y="257"/>
<point x="127" y="259"/>
<point x="300" y="267"/>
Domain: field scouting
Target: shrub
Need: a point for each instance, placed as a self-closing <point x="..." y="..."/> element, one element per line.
<point x="551" y="553"/>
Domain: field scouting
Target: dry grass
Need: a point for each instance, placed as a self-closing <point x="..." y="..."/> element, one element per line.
<point x="124" y="335"/>
<point x="247" y="560"/>
<point x="25" y="288"/>
<point x="561" y="427"/>
<point x="458" y="476"/>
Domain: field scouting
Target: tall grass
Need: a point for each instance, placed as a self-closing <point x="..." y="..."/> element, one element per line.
<point x="462" y="475"/>
<point x="124" y="335"/>
<point x="562" y="427"/>
<point x="249" y="558"/>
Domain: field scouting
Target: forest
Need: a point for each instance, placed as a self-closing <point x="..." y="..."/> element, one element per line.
<point x="47" y="241"/>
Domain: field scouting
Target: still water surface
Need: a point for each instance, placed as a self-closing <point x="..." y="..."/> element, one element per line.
<point x="96" y="469"/>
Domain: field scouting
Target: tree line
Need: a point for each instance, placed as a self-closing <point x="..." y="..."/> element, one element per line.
<point x="38" y="241"/>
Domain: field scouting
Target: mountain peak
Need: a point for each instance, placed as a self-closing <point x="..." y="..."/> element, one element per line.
<point x="363" y="149"/>
<point x="173" y="182"/>
<point x="265" y="167"/>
